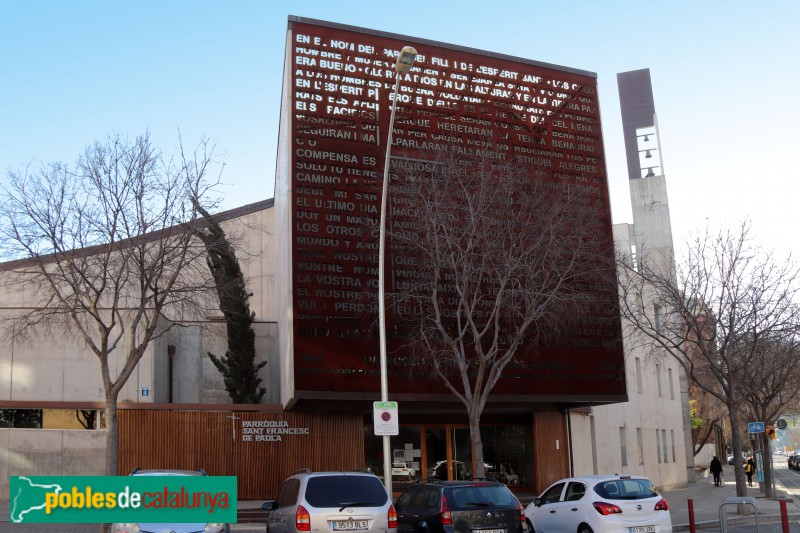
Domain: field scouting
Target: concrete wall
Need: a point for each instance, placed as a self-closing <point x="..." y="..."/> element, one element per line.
<point x="49" y="452"/>
<point x="283" y="236"/>
<point x="56" y="366"/>
<point x="646" y="410"/>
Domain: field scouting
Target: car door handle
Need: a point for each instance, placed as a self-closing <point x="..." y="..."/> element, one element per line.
<point x="574" y="509"/>
<point x="553" y="512"/>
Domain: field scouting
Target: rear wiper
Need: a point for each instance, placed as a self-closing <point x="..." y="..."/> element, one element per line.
<point x="357" y="504"/>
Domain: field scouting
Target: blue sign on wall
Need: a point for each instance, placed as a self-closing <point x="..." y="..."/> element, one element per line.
<point x="755" y="427"/>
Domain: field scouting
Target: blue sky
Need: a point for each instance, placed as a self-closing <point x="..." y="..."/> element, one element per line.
<point x="725" y="80"/>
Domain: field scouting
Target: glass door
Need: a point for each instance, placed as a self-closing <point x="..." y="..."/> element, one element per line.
<point x="462" y="453"/>
<point x="436" y="455"/>
<point x="448" y="453"/>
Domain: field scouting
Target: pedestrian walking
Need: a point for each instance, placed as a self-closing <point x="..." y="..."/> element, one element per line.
<point x="716" y="471"/>
<point x="750" y="469"/>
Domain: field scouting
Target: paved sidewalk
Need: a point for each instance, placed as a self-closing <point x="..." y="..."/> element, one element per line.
<point x="707" y="500"/>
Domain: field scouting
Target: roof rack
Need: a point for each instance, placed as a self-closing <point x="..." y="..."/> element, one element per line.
<point x="202" y="471"/>
<point x="134" y="470"/>
<point x="301" y="471"/>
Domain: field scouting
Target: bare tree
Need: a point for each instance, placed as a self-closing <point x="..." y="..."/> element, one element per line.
<point x="770" y="387"/>
<point x="502" y="260"/>
<point x="714" y="313"/>
<point x="106" y="248"/>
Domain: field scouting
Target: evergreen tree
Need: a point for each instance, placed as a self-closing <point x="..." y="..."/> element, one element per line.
<point x="238" y="366"/>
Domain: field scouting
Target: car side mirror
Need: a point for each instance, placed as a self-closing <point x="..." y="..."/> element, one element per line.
<point x="537" y="502"/>
<point x="269" y="505"/>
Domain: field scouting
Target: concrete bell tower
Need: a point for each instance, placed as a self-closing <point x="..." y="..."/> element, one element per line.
<point x="652" y="230"/>
<point x="651" y="233"/>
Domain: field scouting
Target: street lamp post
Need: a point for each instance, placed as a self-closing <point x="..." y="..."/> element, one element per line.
<point x="405" y="60"/>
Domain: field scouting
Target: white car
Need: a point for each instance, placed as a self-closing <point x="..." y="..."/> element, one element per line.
<point x="402" y="470"/>
<point x="600" y="504"/>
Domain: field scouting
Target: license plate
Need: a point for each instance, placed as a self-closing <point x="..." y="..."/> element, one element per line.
<point x="488" y="531"/>
<point x="351" y="525"/>
<point x="642" y="529"/>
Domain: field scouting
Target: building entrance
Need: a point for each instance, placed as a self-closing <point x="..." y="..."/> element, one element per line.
<point x="448" y="454"/>
<point x="444" y="451"/>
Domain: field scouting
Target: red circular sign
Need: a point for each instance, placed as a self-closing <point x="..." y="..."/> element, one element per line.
<point x="386" y="416"/>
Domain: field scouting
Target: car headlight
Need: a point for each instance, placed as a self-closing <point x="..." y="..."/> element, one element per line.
<point x="214" y="528"/>
<point x="125" y="528"/>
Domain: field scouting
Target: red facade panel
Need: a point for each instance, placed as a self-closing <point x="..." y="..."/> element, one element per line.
<point x="538" y="116"/>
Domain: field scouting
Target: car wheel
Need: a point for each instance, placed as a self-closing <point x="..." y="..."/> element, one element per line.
<point x="584" y="528"/>
<point x="530" y="525"/>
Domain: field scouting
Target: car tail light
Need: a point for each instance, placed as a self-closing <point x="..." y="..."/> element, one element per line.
<point x="606" y="508"/>
<point x="392" y="517"/>
<point x="444" y="513"/>
<point x="662" y="505"/>
<point x="302" y="520"/>
<point x="521" y="512"/>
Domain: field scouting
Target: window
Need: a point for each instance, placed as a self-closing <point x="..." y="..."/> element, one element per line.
<point x="672" y="434"/>
<point x="671" y="390"/>
<point x="553" y="494"/>
<point x="575" y="491"/>
<point x="287" y="496"/>
<point x="638" y="375"/>
<point x="658" y="379"/>
<point x="640" y="445"/>
<point x="658" y="445"/>
<point x="78" y="419"/>
<point x="659" y="312"/>
<point x="664" y="443"/>
<point x="623" y="446"/>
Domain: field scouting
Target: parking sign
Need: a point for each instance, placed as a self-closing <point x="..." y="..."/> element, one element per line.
<point x="385" y="418"/>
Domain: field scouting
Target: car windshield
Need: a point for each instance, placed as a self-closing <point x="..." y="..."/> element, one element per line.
<point x="348" y="491"/>
<point x="626" y="489"/>
<point x="481" y="496"/>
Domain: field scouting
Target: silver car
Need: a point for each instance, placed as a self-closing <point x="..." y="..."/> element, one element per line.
<point x="331" y="502"/>
<point x="209" y="527"/>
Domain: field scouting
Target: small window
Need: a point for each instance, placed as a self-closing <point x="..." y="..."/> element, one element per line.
<point x="575" y="491"/>
<point x="21" y="418"/>
<point x="640" y="445"/>
<point x="659" y="314"/>
<point x="672" y="435"/>
<point x="671" y="389"/>
<point x="658" y="379"/>
<point x="658" y="445"/>
<point x="404" y="500"/>
<point x="287" y="496"/>
<point x="638" y="375"/>
<point x="664" y="443"/>
<point x="553" y="494"/>
<point x="623" y="446"/>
